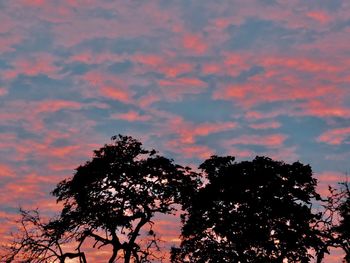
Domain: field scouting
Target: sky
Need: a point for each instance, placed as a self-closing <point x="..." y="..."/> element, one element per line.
<point x="188" y="78"/>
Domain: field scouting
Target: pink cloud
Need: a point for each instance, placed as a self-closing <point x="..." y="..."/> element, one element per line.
<point x="335" y="136"/>
<point x="89" y="57"/>
<point x="291" y="15"/>
<point x="315" y="108"/>
<point x="175" y="89"/>
<point x="275" y="85"/>
<point x="34" y="2"/>
<point x="70" y="30"/>
<point x="107" y="85"/>
<point x="287" y="154"/>
<point x="148" y="59"/>
<point x="169" y="64"/>
<point x="271" y="141"/>
<point x="40" y="64"/>
<point x="64" y="150"/>
<point x="222" y="23"/>
<point x="7" y="42"/>
<point x="148" y="99"/>
<point x="182" y="82"/>
<point x="319" y="16"/>
<point x="211" y="68"/>
<point x="194" y="43"/>
<point x="302" y="64"/>
<point x="131" y="116"/>
<point x="56" y="105"/>
<point x="116" y="93"/>
<point x="14" y="191"/>
<point x="174" y="70"/>
<point x="187" y="132"/>
<point x="190" y="151"/>
<point x="241" y="153"/>
<point x="328" y="178"/>
<point x="32" y="113"/>
<point x="326" y="108"/>
<point x="6" y="171"/>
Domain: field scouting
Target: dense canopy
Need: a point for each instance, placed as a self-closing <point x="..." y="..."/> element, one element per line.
<point x="252" y="211"/>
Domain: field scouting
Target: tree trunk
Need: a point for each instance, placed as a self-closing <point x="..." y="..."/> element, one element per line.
<point x="114" y="256"/>
<point x="127" y="256"/>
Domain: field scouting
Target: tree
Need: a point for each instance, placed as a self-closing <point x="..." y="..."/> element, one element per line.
<point x="37" y="242"/>
<point x="336" y="223"/>
<point x="111" y="200"/>
<point x="343" y="229"/>
<point x="113" y="197"/>
<point x="252" y="211"/>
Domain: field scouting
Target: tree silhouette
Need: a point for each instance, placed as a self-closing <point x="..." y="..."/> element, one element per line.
<point x="343" y="229"/>
<point x="38" y="242"/>
<point x="336" y="227"/>
<point x="258" y="211"/>
<point x="113" y="197"/>
<point x="111" y="200"/>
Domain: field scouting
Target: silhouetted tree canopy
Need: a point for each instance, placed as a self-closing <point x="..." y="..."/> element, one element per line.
<point x="119" y="191"/>
<point x="252" y="211"/>
<point x="343" y="229"/>
<point x="111" y="200"/>
<point x="244" y="212"/>
<point x="336" y="227"/>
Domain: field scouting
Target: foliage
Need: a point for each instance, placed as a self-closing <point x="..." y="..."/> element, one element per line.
<point x="119" y="192"/>
<point x="258" y="211"/>
<point x="336" y="220"/>
<point x="343" y="229"/>
<point x="247" y="212"/>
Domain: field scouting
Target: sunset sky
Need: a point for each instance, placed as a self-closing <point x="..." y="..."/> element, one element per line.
<point x="188" y="78"/>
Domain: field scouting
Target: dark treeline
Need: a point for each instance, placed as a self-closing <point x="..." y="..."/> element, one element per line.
<point x="251" y="211"/>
